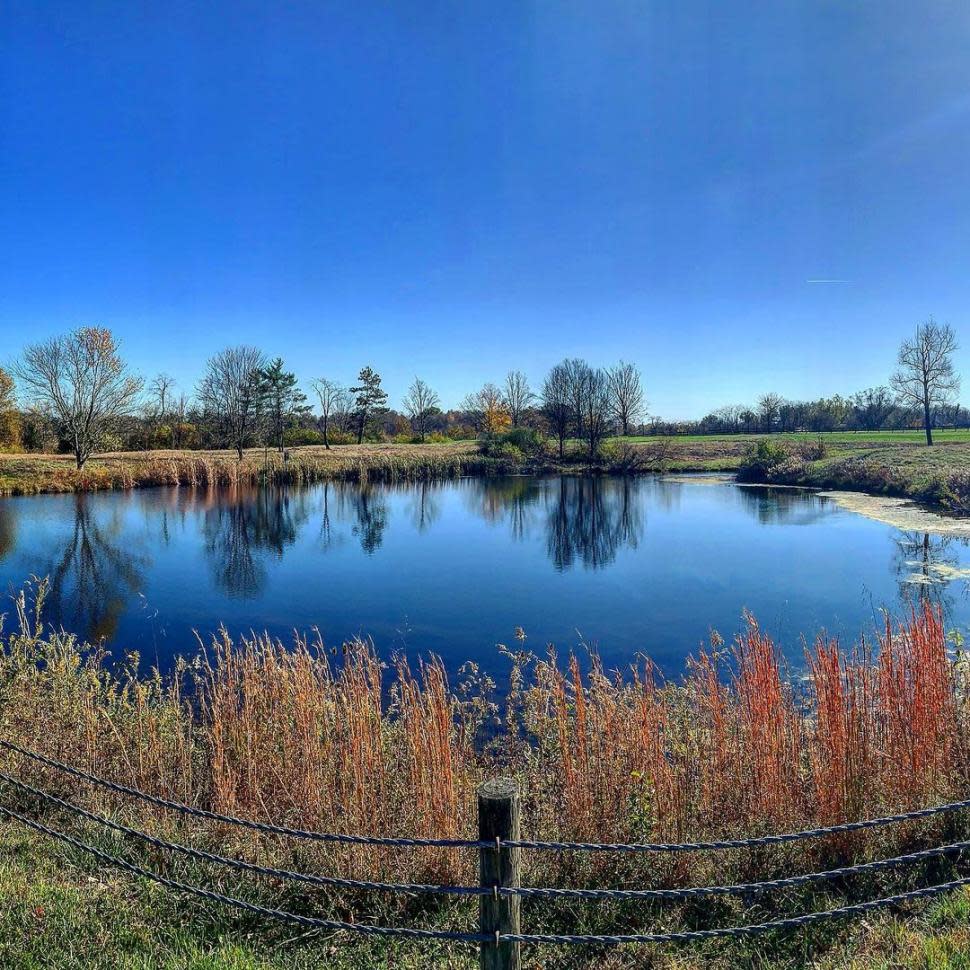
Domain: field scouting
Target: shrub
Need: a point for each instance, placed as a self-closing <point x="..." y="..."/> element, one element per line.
<point x="516" y="443"/>
<point x="623" y="457"/>
<point x="814" y="450"/>
<point x="761" y="460"/>
<point x="293" y="437"/>
<point x="953" y="493"/>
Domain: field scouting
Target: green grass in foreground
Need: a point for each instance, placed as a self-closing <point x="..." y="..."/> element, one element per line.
<point x="59" y="909"/>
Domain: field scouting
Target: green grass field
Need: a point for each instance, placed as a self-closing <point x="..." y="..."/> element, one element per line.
<point x="832" y="437"/>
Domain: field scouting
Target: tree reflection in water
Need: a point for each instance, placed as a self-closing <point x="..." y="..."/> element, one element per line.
<point x="243" y="525"/>
<point x="423" y="506"/>
<point x="8" y="531"/>
<point x="511" y="500"/>
<point x="590" y="519"/>
<point x="370" y="508"/>
<point x="96" y="574"/>
<point x="774" y="505"/>
<point x="927" y="567"/>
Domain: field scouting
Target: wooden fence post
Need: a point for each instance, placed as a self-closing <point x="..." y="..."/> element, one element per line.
<point x="498" y="819"/>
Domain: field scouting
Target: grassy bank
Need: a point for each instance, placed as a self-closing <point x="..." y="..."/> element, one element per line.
<point x="36" y="474"/>
<point x="937" y="476"/>
<point x="33" y="474"/>
<point x="349" y="744"/>
<point x="914" y="466"/>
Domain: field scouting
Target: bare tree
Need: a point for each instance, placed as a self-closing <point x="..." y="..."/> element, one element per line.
<point x="159" y="402"/>
<point x="926" y="379"/>
<point x="769" y="407"/>
<point x="626" y="394"/>
<point x="180" y="416"/>
<point x="333" y="400"/>
<point x="160" y="390"/>
<point x="557" y="404"/>
<point x="517" y="396"/>
<point x="230" y="394"/>
<point x="577" y="373"/>
<point x="82" y="380"/>
<point x="420" y="403"/>
<point x="595" y="408"/>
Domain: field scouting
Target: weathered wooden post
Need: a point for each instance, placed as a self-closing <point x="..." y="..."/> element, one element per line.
<point x="498" y="822"/>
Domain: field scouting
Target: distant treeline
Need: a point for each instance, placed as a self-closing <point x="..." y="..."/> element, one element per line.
<point x="874" y="409"/>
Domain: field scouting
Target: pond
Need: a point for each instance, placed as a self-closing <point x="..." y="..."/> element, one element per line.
<point x="624" y="566"/>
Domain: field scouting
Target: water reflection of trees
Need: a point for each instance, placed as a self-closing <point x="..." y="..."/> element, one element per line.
<point x="423" y="507"/>
<point x="783" y="506"/>
<point x="95" y="574"/>
<point x="927" y="565"/>
<point x="8" y="531"/>
<point x="583" y="519"/>
<point x="370" y="508"/>
<point x="590" y="519"/>
<point x="512" y="500"/>
<point x="246" y="525"/>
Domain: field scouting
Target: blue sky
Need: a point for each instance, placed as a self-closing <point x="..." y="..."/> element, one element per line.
<point x="453" y="189"/>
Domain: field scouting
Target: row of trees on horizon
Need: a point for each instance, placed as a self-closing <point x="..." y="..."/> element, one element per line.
<point x="77" y="395"/>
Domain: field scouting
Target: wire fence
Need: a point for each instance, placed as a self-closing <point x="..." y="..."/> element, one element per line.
<point x="499" y="892"/>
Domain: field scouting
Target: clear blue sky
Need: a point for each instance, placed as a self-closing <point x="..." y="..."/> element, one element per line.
<point x="451" y="189"/>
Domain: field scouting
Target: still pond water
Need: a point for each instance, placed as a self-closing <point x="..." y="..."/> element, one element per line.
<point x="623" y="565"/>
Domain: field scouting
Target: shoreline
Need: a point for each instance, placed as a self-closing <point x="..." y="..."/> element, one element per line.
<point x="937" y="479"/>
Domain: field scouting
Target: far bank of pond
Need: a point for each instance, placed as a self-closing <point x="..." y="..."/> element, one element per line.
<point x="622" y="565"/>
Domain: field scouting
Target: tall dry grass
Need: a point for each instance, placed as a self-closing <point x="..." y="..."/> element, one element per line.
<point x="28" y="474"/>
<point x="347" y="743"/>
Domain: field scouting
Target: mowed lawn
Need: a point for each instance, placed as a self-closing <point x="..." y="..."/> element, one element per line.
<point x="902" y="450"/>
<point x="852" y="438"/>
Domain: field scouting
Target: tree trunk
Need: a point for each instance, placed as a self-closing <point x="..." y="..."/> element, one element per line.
<point x="239" y="451"/>
<point x="927" y="423"/>
<point x="326" y="440"/>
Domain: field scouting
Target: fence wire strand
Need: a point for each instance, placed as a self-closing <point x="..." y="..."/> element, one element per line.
<point x="271" y="829"/>
<point x="240" y="864"/>
<point x="692" y="892"/>
<point x="313" y="922"/>
<point x="754" y="929"/>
